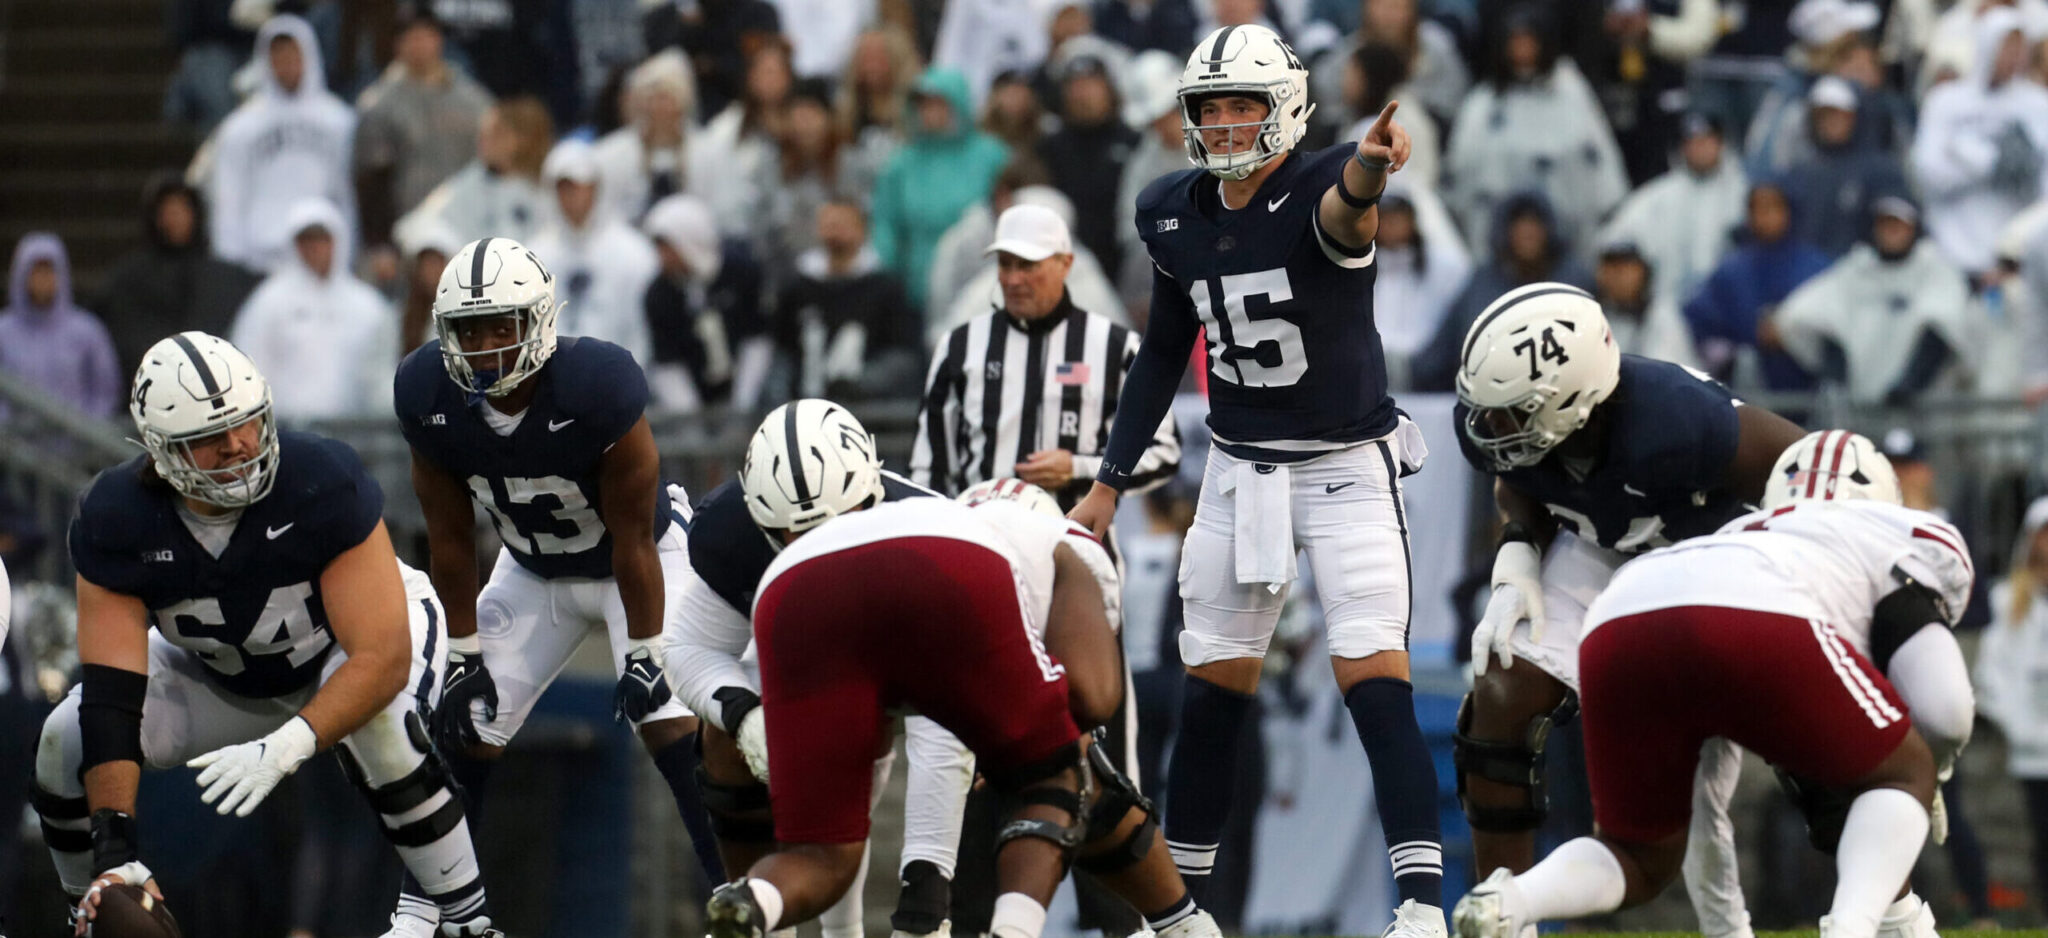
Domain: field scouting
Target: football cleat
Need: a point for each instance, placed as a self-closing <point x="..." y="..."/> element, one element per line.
<point x="1917" y="921"/>
<point x="411" y="926"/>
<point x="1493" y="909"/>
<point x="732" y="912"/>
<point x="1199" y="925"/>
<point x="1415" y="920"/>
<point x="945" y="930"/>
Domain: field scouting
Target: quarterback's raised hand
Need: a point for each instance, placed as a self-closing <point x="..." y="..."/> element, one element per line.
<point x="467" y="680"/>
<point x="1385" y="144"/>
<point x="643" y="688"/>
<point x="1517" y="595"/>
<point x="237" y="778"/>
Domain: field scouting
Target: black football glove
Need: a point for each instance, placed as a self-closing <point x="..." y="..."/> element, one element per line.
<point x="643" y="688"/>
<point x="467" y="679"/>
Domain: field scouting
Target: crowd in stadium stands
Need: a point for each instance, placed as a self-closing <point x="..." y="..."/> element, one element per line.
<point x="764" y="199"/>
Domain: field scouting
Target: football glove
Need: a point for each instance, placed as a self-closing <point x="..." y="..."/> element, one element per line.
<point x="1517" y="595"/>
<point x="753" y="742"/>
<point x="237" y="778"/>
<point x="643" y="688"/>
<point x="467" y="680"/>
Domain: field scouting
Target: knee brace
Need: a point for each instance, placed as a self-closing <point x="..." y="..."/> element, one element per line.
<point x="1118" y="797"/>
<point x="738" y="813"/>
<point x="1825" y="809"/>
<point x="64" y="820"/>
<point x="1518" y="764"/>
<point x="1040" y="784"/>
<point x="398" y="801"/>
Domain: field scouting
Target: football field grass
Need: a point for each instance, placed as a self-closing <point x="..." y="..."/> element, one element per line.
<point x="2013" y="933"/>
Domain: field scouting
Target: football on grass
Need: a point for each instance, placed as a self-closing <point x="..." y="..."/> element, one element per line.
<point x="129" y="912"/>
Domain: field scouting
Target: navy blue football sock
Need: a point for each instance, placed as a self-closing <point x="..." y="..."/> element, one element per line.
<point x="1199" y="777"/>
<point x="678" y="765"/>
<point x="472" y="777"/>
<point x="1404" y="780"/>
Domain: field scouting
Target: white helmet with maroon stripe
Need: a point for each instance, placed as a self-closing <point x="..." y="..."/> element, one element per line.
<point x="1011" y="490"/>
<point x="809" y="462"/>
<point x="1831" y="465"/>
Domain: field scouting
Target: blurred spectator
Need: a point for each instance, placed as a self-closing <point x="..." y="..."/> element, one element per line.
<point x="812" y="164"/>
<point x="1732" y="79"/>
<point x="1645" y="320"/>
<point x="945" y="167"/>
<point x="1730" y="315"/>
<point x="1072" y="39"/>
<point x="1635" y="54"/>
<point x="2022" y="297"/>
<point x="874" y="94"/>
<point x="209" y="46"/>
<point x="1373" y="75"/>
<point x="518" y="48"/>
<point x="1421" y="273"/>
<point x="1087" y="154"/>
<point x="648" y="159"/>
<point x="608" y="44"/>
<point x="1979" y="155"/>
<point x="716" y="37"/>
<point x="425" y="249"/>
<point x="1152" y="107"/>
<point x="1211" y="15"/>
<point x="1433" y="74"/>
<point x="736" y="143"/>
<point x="1832" y="38"/>
<point x="1952" y="45"/>
<point x="1164" y="25"/>
<point x="843" y="325"/>
<point x="1781" y="136"/>
<point x="822" y="32"/>
<point x="170" y="283"/>
<point x="291" y="139"/>
<point x="415" y="130"/>
<point x="602" y="265"/>
<point x="1682" y="221"/>
<point x="332" y="338"/>
<point x="47" y="340"/>
<point x="981" y="289"/>
<point x="1834" y="178"/>
<point x="710" y="333"/>
<point x="1528" y="246"/>
<point x="1013" y="114"/>
<point x="2010" y="666"/>
<point x="1536" y="126"/>
<point x="1887" y="319"/>
<point x="498" y="194"/>
<point x="981" y="39"/>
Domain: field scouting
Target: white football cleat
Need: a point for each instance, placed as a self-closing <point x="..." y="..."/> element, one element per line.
<point x="1199" y="925"/>
<point x="1915" y="921"/>
<point x="411" y="926"/>
<point x="945" y="930"/>
<point x="1494" y="909"/>
<point x="1415" y="920"/>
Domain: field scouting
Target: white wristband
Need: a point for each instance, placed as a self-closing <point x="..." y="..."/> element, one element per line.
<point x="466" y="644"/>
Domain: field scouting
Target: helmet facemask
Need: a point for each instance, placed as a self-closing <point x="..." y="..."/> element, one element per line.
<point x="1271" y="141"/>
<point x="1510" y="436"/>
<point x="480" y="373"/>
<point x="237" y="485"/>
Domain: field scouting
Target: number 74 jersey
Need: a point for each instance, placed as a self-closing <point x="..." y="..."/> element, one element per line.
<point x="1293" y="352"/>
<point x="539" y="483"/>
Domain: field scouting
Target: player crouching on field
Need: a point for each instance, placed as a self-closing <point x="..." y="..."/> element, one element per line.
<point x="261" y="561"/>
<point x="1830" y="576"/>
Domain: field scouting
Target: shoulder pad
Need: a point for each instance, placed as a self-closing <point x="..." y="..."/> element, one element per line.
<point x="1938" y="559"/>
<point x="896" y="488"/>
<point x="597" y="378"/>
<point x="418" y="382"/>
<point x="1170" y="187"/>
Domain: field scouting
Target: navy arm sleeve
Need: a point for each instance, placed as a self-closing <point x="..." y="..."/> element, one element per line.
<point x="1148" y="390"/>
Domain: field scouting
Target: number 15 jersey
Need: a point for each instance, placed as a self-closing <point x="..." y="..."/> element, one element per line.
<point x="1294" y="356"/>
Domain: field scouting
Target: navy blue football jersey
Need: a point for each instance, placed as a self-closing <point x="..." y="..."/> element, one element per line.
<point x="730" y="553"/>
<point x="540" y="483"/>
<point x="1664" y="475"/>
<point x="1293" y="352"/>
<point x="254" y="615"/>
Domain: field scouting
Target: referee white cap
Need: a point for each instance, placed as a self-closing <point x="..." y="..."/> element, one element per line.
<point x="1032" y="232"/>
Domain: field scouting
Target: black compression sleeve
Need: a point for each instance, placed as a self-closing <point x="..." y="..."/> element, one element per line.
<point x="1900" y="616"/>
<point x="1148" y="389"/>
<point x="110" y="715"/>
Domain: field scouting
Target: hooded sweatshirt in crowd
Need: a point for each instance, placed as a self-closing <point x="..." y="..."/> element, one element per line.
<point x="1435" y="366"/>
<point x="58" y="347"/>
<point x="602" y="268"/>
<point x="278" y="147"/>
<point x="329" y="344"/>
<point x="1981" y="154"/>
<point x="1749" y="282"/>
<point x="929" y="183"/>
<point x="1683" y="223"/>
<point x="162" y="288"/>
<point x="2012" y="664"/>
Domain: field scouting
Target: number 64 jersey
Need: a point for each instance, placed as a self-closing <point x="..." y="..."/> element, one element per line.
<point x="1292" y="346"/>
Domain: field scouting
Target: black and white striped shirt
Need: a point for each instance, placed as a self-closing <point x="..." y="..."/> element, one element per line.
<point x="1000" y="389"/>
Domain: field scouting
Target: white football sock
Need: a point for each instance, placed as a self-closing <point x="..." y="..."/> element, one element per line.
<point x="1580" y="878"/>
<point x="1880" y="840"/>
<point x="769" y="899"/>
<point x="1905" y="908"/>
<point x="1016" y="916"/>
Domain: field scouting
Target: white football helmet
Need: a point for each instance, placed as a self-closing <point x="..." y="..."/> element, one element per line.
<point x="495" y="277"/>
<point x="1011" y="490"/>
<point x="1831" y="465"/>
<point x="1254" y="62"/>
<point x="1533" y="366"/>
<point x="809" y="462"/>
<point x="192" y="386"/>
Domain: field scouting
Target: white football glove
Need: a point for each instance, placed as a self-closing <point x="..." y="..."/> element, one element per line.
<point x="1517" y="595"/>
<point x="246" y="772"/>
<point x="753" y="741"/>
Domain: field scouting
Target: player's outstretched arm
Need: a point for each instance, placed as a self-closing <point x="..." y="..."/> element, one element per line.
<point x="1349" y="210"/>
<point x="629" y="483"/>
<point x="1761" y="437"/>
<point x="1147" y="395"/>
<point x="1077" y="634"/>
<point x="451" y="542"/>
<point x="113" y="651"/>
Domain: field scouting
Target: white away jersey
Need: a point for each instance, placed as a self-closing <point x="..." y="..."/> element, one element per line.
<point x="1826" y="560"/>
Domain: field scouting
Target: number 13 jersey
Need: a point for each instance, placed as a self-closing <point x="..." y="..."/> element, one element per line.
<point x="1294" y="357"/>
<point x="539" y="483"/>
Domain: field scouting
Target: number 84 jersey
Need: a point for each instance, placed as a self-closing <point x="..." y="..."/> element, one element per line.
<point x="1294" y="354"/>
<point x="538" y="483"/>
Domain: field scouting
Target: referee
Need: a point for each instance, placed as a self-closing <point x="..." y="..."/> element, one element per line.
<point x="1029" y="390"/>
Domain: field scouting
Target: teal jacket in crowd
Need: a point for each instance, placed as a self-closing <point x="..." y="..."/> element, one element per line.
<point x="929" y="183"/>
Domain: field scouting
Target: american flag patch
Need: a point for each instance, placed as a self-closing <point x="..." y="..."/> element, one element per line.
<point x="1071" y="373"/>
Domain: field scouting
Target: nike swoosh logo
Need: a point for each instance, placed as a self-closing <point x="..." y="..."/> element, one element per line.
<point x="1632" y="490"/>
<point x="1339" y="487"/>
<point x="450" y="868"/>
<point x="553" y="426"/>
<point x="1274" y="205"/>
<point x="272" y="533"/>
